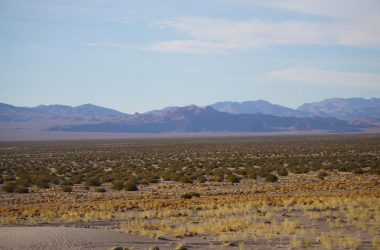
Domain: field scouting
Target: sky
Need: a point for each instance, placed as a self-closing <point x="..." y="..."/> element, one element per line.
<point x="136" y="56"/>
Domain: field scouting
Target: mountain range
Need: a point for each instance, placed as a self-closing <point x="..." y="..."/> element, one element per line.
<point x="86" y="112"/>
<point x="331" y="115"/>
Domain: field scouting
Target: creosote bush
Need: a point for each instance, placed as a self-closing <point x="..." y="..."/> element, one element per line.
<point x="190" y="195"/>
<point x="233" y="179"/>
<point x="93" y="182"/>
<point x="67" y="189"/>
<point x="21" y="189"/>
<point x="131" y="186"/>
<point x="100" y="190"/>
<point x="271" y="178"/>
<point x="282" y="172"/>
<point x="322" y="175"/>
<point x="118" y="185"/>
<point x="9" y="187"/>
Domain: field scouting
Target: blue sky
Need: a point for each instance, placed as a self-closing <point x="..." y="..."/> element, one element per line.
<point x="136" y="56"/>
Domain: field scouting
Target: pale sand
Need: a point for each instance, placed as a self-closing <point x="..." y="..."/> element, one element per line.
<point x="48" y="237"/>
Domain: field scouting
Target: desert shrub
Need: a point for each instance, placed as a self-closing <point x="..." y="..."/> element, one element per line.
<point x="185" y="179"/>
<point x="300" y="170"/>
<point x="218" y="178"/>
<point x="322" y="175"/>
<point x="252" y="175"/>
<point x="201" y="179"/>
<point x="375" y="171"/>
<point x="25" y="182"/>
<point x="271" y="178"/>
<point x="42" y="182"/>
<point x="67" y="189"/>
<point x="233" y="179"/>
<point x="131" y="186"/>
<point x="21" y="189"/>
<point x="118" y="184"/>
<point x="93" y="182"/>
<point x="282" y="172"/>
<point x="100" y="190"/>
<point x="9" y="178"/>
<point x="9" y="187"/>
<point x="190" y="195"/>
<point x="143" y="182"/>
<point x="106" y="179"/>
<point x="154" y="179"/>
<point x="77" y="179"/>
<point x="67" y="183"/>
<point x="358" y="171"/>
<point x="55" y="180"/>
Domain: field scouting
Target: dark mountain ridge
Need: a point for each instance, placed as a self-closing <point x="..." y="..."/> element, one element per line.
<point x="9" y="113"/>
<point x="334" y="115"/>
<point x="255" y="107"/>
<point x="344" y="108"/>
<point x="196" y="119"/>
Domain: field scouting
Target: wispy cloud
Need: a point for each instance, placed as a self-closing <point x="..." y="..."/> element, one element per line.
<point x="111" y="45"/>
<point x="348" y="23"/>
<point x="341" y="9"/>
<point x="353" y="23"/>
<point x="192" y="47"/>
<point x="227" y="35"/>
<point x="327" y="77"/>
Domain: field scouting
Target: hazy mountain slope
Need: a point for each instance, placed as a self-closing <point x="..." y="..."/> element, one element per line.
<point x="9" y="113"/>
<point x="195" y="119"/>
<point x="344" y="108"/>
<point x="161" y="111"/>
<point x="254" y="107"/>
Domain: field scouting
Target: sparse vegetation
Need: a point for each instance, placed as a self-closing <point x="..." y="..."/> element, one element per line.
<point x="270" y="189"/>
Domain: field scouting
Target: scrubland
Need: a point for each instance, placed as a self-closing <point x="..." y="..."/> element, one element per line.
<point x="311" y="192"/>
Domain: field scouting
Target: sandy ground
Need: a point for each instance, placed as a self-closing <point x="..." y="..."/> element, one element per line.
<point x="70" y="238"/>
<point x="34" y="238"/>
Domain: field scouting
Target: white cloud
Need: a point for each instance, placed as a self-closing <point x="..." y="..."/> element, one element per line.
<point x="192" y="47"/>
<point x="111" y="45"/>
<point x="348" y="23"/>
<point x="234" y="35"/>
<point x="251" y="33"/>
<point x="326" y="77"/>
<point x="343" y="9"/>
<point x="351" y="23"/>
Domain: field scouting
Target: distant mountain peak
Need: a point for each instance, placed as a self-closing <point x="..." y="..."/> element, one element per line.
<point x="344" y="108"/>
<point x="255" y="107"/>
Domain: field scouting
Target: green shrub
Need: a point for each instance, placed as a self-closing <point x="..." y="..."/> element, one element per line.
<point x="77" y="179"/>
<point x="130" y="186"/>
<point x="9" y="187"/>
<point x="322" y="175"/>
<point x="271" y="178"/>
<point x="185" y="179"/>
<point x="93" y="182"/>
<point x="218" y="178"/>
<point x="233" y="179"/>
<point x="100" y="190"/>
<point x="358" y="171"/>
<point x="25" y="182"/>
<point x="118" y="184"/>
<point x="202" y="179"/>
<point x="154" y="179"/>
<point x="67" y="189"/>
<point x="21" y="189"/>
<point x="43" y="182"/>
<point x="282" y="172"/>
<point x="190" y="195"/>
